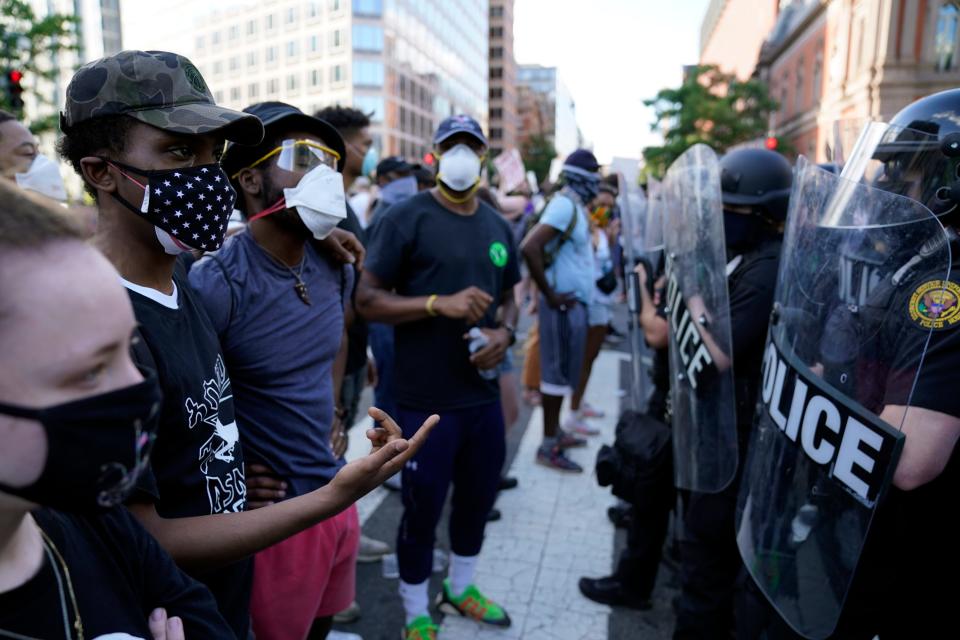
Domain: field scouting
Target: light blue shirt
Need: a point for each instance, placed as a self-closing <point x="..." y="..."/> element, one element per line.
<point x="572" y="269"/>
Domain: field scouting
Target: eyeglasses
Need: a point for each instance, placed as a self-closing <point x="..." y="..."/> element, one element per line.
<point x="299" y="156"/>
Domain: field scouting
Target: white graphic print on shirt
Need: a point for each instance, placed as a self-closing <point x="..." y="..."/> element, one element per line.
<point x="226" y="487"/>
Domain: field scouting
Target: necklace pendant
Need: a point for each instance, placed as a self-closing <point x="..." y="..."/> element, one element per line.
<point x="301" y="290"/>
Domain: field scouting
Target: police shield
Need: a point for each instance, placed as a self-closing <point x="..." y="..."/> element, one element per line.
<point x="860" y="262"/>
<point x="633" y="215"/>
<point x="698" y="314"/>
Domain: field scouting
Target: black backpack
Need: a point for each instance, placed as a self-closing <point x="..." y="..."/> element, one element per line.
<point x="641" y="457"/>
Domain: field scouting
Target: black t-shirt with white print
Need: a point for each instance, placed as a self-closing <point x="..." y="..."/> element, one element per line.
<point x="119" y="574"/>
<point x="197" y="464"/>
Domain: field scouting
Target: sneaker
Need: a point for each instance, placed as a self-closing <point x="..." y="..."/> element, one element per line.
<point x="554" y="458"/>
<point x="587" y="410"/>
<point x="348" y="615"/>
<point x="421" y="628"/>
<point x="578" y="426"/>
<point x="472" y="604"/>
<point x="371" y="550"/>
<point x="569" y="441"/>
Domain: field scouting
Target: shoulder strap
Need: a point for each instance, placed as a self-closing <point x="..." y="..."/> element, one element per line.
<point x="550" y="256"/>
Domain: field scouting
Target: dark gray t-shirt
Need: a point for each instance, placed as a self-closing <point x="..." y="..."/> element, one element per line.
<point x="280" y="354"/>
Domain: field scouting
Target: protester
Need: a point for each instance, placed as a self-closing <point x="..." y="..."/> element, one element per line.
<point x="143" y="128"/>
<point x="21" y="160"/>
<point x="395" y="182"/>
<point x="442" y="264"/>
<point x="425" y="177"/>
<point x="559" y="255"/>
<point x="71" y="404"/>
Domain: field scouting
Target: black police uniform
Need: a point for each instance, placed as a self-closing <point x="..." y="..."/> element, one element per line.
<point x="911" y="550"/>
<point x="710" y="559"/>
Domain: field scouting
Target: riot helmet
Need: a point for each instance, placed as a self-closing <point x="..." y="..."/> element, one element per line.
<point x="755" y="186"/>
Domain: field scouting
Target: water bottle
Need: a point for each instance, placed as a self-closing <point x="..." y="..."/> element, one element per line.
<point x="478" y="341"/>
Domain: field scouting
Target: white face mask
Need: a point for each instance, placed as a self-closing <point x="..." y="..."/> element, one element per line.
<point x="170" y="244"/>
<point x="319" y="200"/>
<point x="43" y="176"/>
<point x="459" y="168"/>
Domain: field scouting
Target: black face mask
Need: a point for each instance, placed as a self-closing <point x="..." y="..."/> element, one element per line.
<point x="192" y="204"/>
<point x="97" y="447"/>
<point x="741" y="231"/>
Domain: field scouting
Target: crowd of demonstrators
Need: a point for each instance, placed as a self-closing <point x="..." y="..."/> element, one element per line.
<point x="455" y="301"/>
<point x="182" y="446"/>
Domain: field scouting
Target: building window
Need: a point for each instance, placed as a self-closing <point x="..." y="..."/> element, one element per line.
<point x="368" y="7"/>
<point x="496" y="134"/>
<point x="270" y="23"/>
<point x="292" y="83"/>
<point x="496" y="12"/>
<point x="235" y="63"/>
<point x="218" y="67"/>
<point x="496" y="72"/>
<point x="199" y="43"/>
<point x="235" y="94"/>
<point x="313" y="10"/>
<point x="313" y="44"/>
<point x="946" y="39"/>
<point x="336" y="42"/>
<point x="252" y="59"/>
<point x="336" y="74"/>
<point x="336" y="5"/>
<point x="496" y="52"/>
<point x="271" y="55"/>
<point x="496" y="32"/>
<point x="799" y="90"/>
<point x="496" y="113"/>
<point x="315" y="77"/>
<point x="367" y="73"/>
<point x="367" y="37"/>
<point x="215" y="38"/>
<point x="273" y="87"/>
<point x="218" y="97"/>
<point x="251" y="28"/>
<point x="291" y="15"/>
<point x="496" y="93"/>
<point x="292" y="49"/>
<point x="233" y="33"/>
<point x="252" y="90"/>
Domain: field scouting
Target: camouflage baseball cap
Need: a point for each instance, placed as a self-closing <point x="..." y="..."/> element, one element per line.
<point x="155" y="87"/>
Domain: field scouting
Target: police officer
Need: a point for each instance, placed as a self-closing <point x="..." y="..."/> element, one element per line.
<point x="903" y="349"/>
<point x="755" y="185"/>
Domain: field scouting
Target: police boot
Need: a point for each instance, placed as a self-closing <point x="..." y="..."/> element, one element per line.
<point x="612" y="592"/>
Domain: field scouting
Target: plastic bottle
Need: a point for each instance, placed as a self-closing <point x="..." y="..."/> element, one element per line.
<point x="478" y="341"/>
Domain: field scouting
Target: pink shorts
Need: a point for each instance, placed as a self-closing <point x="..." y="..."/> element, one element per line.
<point x="311" y="575"/>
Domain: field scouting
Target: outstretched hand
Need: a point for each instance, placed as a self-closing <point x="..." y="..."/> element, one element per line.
<point x="390" y="451"/>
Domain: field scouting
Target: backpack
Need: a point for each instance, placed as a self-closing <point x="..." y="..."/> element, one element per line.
<point x="550" y="256"/>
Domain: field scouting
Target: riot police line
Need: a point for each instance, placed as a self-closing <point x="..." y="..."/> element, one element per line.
<point x="811" y="325"/>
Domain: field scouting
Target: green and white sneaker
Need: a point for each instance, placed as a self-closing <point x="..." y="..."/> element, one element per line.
<point x="472" y="604"/>
<point x="421" y="628"/>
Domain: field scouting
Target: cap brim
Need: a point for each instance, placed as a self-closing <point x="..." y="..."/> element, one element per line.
<point x="450" y="134"/>
<point x="201" y="119"/>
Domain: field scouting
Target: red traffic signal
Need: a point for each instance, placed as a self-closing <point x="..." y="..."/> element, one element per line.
<point x="13" y="89"/>
<point x="16" y="76"/>
<point x="771" y="143"/>
<point x="428" y="159"/>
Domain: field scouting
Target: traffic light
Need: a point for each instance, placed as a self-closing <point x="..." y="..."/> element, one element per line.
<point x="771" y="143"/>
<point x="428" y="159"/>
<point x="14" y="89"/>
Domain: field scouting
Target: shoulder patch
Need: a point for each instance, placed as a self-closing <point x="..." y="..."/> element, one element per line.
<point x="935" y="304"/>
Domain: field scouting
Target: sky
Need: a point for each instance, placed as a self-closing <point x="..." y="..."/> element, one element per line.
<point x="611" y="54"/>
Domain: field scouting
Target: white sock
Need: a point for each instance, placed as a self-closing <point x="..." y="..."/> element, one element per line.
<point x="462" y="569"/>
<point x="415" y="600"/>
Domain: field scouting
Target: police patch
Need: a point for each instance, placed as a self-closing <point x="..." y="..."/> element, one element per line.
<point x="935" y="304"/>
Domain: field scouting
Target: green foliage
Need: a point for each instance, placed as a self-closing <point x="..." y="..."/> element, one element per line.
<point x="538" y="152"/>
<point x="31" y="45"/>
<point x="711" y="107"/>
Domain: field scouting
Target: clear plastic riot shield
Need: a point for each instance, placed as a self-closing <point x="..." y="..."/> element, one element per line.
<point x="698" y="314"/>
<point x="862" y="283"/>
<point x="633" y="216"/>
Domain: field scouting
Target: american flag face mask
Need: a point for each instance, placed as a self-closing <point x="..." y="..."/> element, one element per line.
<point x="191" y="204"/>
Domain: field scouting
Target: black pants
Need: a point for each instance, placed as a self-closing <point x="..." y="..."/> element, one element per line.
<point x="709" y="566"/>
<point x="640" y="560"/>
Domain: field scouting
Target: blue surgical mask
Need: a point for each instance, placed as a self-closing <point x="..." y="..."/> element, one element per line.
<point x="370" y="160"/>
<point x="399" y="189"/>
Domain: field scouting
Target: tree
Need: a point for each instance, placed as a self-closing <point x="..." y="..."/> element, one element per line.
<point x="538" y="152"/>
<point x="711" y="107"/>
<point x="30" y="45"/>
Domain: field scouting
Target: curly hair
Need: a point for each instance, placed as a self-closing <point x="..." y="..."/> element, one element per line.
<point x="87" y="138"/>
<point x="346" y="120"/>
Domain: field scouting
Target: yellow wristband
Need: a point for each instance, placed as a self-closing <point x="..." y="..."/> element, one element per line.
<point x="430" y="302"/>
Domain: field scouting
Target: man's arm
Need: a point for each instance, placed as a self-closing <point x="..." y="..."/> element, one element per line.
<point x="212" y="541"/>
<point x="532" y="249"/>
<point x="655" y="330"/>
<point x="499" y="339"/>
<point x="931" y="437"/>
<point x="377" y="304"/>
